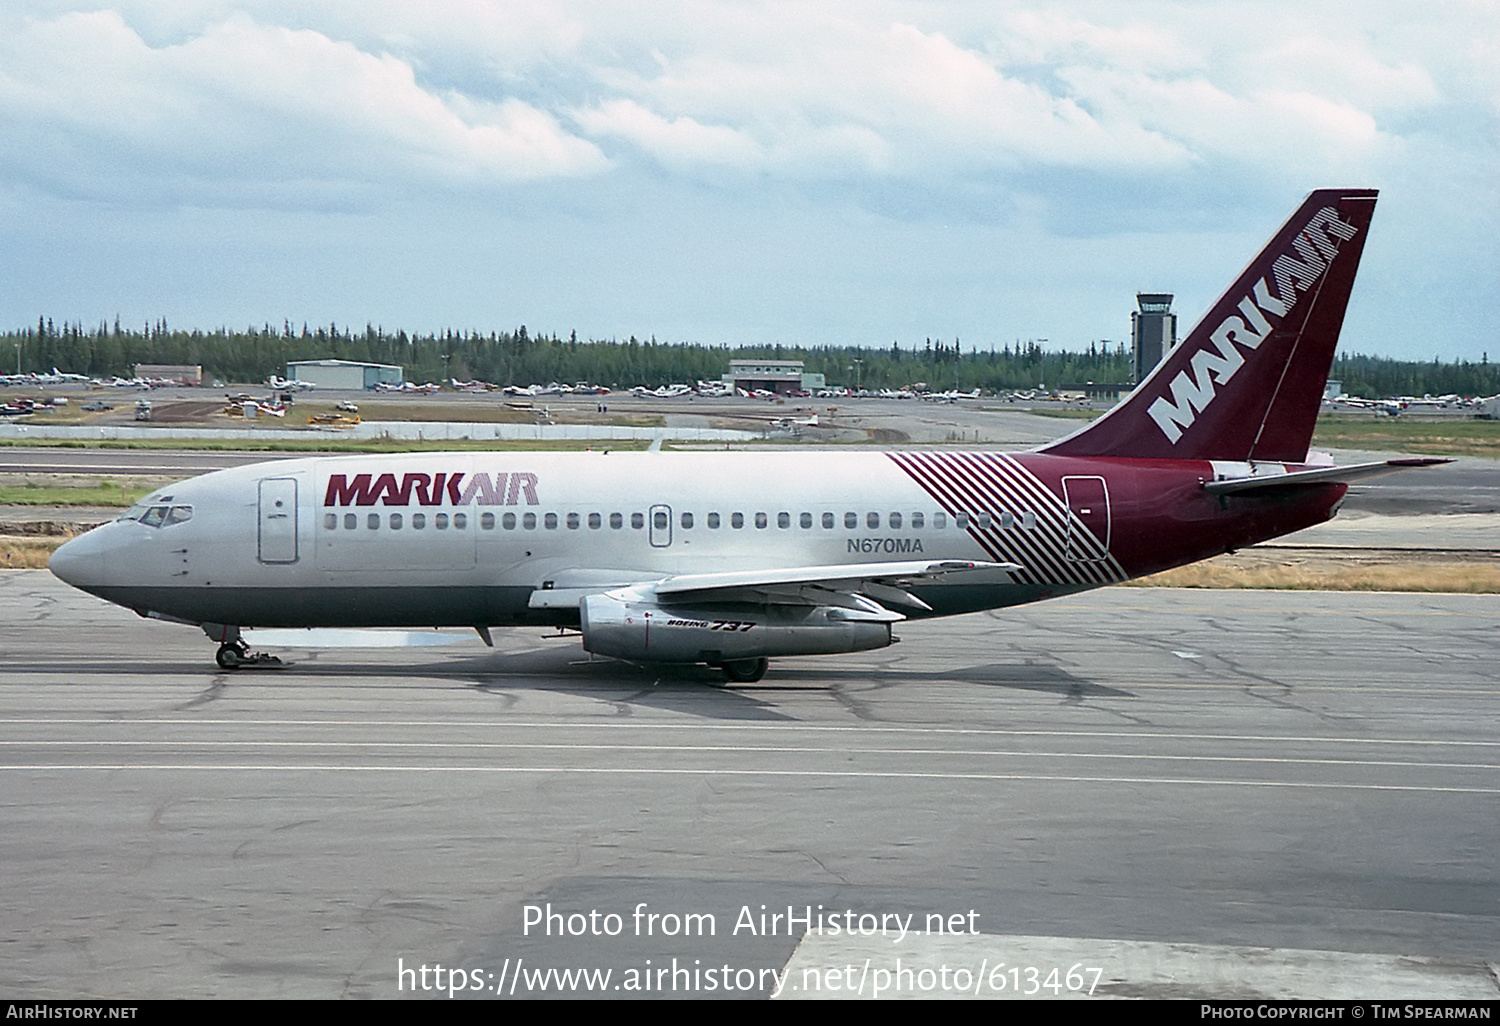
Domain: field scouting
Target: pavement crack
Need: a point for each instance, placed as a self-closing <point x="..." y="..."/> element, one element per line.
<point x="212" y="693"/>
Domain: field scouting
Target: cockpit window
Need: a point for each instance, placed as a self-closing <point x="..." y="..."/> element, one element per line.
<point x="139" y="509"/>
<point x="154" y="512"/>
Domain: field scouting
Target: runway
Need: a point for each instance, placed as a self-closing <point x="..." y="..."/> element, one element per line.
<point x="1122" y="770"/>
<point x="126" y="462"/>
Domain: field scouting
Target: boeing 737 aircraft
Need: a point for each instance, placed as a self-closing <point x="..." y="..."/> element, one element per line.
<point x="733" y="558"/>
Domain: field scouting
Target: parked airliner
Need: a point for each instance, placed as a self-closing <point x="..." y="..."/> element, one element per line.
<point x="733" y="558"/>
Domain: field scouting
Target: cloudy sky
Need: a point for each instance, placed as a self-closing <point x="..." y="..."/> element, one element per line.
<point x="739" y="171"/>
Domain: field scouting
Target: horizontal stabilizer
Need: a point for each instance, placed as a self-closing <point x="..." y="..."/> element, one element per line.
<point x="1320" y="475"/>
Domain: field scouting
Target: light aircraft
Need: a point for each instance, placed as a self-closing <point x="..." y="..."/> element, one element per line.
<point x="1390" y="407"/>
<point x="730" y="559"/>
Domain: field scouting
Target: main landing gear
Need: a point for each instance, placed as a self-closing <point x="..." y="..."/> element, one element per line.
<point x="744" y="671"/>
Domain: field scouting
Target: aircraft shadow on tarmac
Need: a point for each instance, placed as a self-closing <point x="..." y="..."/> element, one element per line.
<point x="701" y="690"/>
<point x="564" y="669"/>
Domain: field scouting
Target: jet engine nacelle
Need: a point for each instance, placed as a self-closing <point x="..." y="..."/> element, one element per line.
<point x="650" y="631"/>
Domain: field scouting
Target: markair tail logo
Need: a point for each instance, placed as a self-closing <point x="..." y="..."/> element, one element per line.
<point x="1293" y="274"/>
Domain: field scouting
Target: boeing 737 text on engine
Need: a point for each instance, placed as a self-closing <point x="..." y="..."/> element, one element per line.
<point x="692" y="558"/>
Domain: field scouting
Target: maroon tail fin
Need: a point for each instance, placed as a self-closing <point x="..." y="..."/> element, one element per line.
<point x="1247" y="382"/>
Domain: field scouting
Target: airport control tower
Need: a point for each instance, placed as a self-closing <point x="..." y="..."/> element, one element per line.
<point x="1153" y="331"/>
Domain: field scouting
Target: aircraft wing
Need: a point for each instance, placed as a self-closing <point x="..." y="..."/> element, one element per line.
<point x="880" y="582"/>
<point x="1321" y="475"/>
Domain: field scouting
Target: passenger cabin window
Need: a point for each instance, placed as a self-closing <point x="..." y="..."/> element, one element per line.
<point x="961" y="521"/>
<point x="418" y="521"/>
<point x="872" y="520"/>
<point x="440" y="521"/>
<point x="573" y="521"/>
<point x="373" y="521"/>
<point x="1028" y="520"/>
<point x="616" y="521"/>
<point x="1007" y="521"/>
<point x="760" y="520"/>
<point x="549" y="521"/>
<point x="351" y="521"/>
<point x="330" y="521"/>
<point x="851" y="520"/>
<point x="659" y="520"/>
<point x="940" y="521"/>
<point x="637" y="520"/>
<point x="687" y="520"/>
<point x="895" y="521"/>
<point x="528" y="521"/>
<point x="395" y="521"/>
<point x="595" y="521"/>
<point x="827" y="521"/>
<point x="713" y="521"/>
<point x="806" y="521"/>
<point x="487" y="521"/>
<point x="783" y="520"/>
<point x="736" y="520"/>
<point x="916" y="521"/>
<point x="984" y="521"/>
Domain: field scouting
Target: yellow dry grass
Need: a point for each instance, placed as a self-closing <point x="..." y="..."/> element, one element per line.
<point x="28" y="552"/>
<point x="1362" y="570"/>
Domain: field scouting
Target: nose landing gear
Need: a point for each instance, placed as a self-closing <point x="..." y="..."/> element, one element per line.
<point x="233" y="657"/>
<point x="233" y="652"/>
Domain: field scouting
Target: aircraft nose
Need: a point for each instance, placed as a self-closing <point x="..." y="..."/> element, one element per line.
<point x="80" y="562"/>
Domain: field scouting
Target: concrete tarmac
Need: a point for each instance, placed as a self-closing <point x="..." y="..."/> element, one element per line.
<point x="1305" y="782"/>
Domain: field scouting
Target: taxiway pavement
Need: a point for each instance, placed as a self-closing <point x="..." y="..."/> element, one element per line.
<point x="1123" y="772"/>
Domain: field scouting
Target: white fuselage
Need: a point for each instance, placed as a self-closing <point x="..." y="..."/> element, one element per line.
<point x="479" y="539"/>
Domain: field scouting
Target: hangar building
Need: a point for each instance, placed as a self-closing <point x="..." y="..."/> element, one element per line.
<point x="779" y="376"/>
<point x="343" y="373"/>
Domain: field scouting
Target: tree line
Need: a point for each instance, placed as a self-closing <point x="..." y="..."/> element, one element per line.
<point x="520" y="358"/>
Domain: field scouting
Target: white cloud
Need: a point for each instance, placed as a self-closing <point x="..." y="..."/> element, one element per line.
<point x="484" y="91"/>
<point x="680" y="141"/>
<point x="1014" y="120"/>
<point x="250" y="102"/>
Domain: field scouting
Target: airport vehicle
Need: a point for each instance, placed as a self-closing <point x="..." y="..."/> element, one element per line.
<point x="731" y="559"/>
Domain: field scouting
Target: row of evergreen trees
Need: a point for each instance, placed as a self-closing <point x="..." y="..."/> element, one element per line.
<point x="516" y="357"/>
